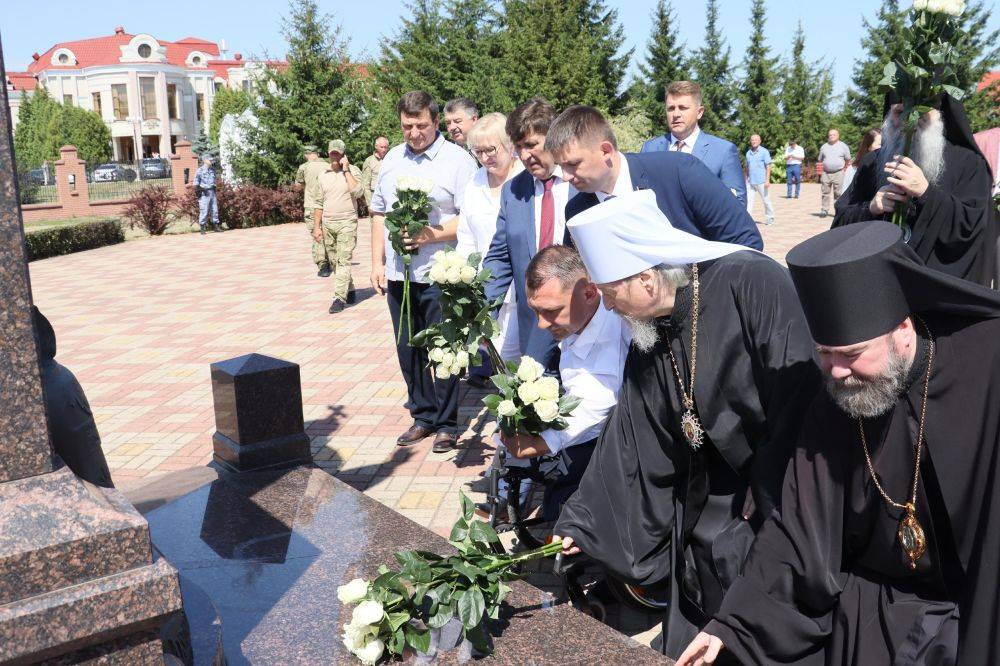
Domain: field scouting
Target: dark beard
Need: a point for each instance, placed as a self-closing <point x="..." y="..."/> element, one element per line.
<point x="868" y="398"/>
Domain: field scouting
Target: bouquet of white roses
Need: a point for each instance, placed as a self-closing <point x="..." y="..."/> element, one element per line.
<point x="529" y="402"/>
<point x="400" y="608"/>
<point x="927" y="67"/>
<point x="453" y="343"/>
<point x="409" y="215"/>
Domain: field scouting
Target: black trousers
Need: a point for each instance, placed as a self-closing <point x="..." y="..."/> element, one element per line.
<point x="575" y="458"/>
<point x="433" y="403"/>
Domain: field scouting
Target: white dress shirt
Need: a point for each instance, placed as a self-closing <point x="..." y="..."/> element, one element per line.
<point x="450" y="168"/>
<point x="688" y="142"/>
<point x="624" y="183"/>
<point x="590" y="366"/>
<point x="562" y="192"/>
<point x="795" y="155"/>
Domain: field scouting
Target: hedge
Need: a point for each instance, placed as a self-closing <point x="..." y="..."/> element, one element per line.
<point x="66" y="240"/>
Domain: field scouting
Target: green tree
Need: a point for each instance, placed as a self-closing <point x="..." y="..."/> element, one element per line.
<point x="984" y="108"/>
<point x="564" y="50"/>
<point x="806" y="92"/>
<point x="312" y="101"/>
<point x="665" y="63"/>
<point x="44" y="126"/>
<point x="712" y="71"/>
<point x="757" y="108"/>
<point x="85" y="130"/>
<point x="227" y="100"/>
<point x="204" y="145"/>
<point x="632" y="127"/>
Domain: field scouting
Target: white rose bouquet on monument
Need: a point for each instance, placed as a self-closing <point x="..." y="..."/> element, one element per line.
<point x="529" y="402"/>
<point x="453" y="343"/>
<point x="400" y="608"/>
<point x="409" y="215"/>
<point x="927" y="67"/>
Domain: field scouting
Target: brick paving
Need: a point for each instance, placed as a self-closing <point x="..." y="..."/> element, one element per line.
<point x="139" y="324"/>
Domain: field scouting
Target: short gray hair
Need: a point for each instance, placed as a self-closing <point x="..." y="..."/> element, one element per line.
<point x="673" y="275"/>
<point x="462" y="104"/>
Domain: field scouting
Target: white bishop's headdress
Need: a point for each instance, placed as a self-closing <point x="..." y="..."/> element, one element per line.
<point x="628" y="234"/>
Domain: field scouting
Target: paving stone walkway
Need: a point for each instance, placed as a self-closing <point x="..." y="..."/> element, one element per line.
<point x="139" y="324"/>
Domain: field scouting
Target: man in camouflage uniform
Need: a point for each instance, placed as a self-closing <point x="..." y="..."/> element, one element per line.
<point x="307" y="175"/>
<point x="371" y="166"/>
<point x="335" y="219"/>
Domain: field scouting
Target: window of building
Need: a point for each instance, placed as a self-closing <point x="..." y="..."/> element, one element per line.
<point x="63" y="59"/>
<point x="200" y="106"/>
<point x="68" y="100"/>
<point x="172" y="101"/>
<point x="145" y="50"/>
<point x="218" y="86"/>
<point x="96" y="97"/>
<point x="246" y="85"/>
<point x="147" y="93"/>
<point x="119" y="100"/>
<point x="196" y="60"/>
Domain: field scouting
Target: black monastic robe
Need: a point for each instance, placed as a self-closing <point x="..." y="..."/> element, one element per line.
<point x="827" y="581"/>
<point x="646" y="490"/>
<point x="952" y="227"/>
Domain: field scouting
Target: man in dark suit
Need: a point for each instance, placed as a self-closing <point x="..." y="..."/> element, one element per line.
<point x="684" y="110"/>
<point x="532" y="217"/>
<point x="692" y="197"/>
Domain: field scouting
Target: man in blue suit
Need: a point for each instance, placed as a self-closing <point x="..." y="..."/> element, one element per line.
<point x="532" y="217"/>
<point x="684" y="110"/>
<point x="686" y="191"/>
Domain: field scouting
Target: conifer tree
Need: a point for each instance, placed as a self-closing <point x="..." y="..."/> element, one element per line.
<point x="757" y="108"/>
<point x="665" y="63"/>
<point x="712" y="71"/>
<point x="805" y="98"/>
<point x="202" y="145"/>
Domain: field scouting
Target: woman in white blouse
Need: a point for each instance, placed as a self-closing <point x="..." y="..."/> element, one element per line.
<point x="477" y="222"/>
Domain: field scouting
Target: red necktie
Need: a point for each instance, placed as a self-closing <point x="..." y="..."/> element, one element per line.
<point x="548" y="225"/>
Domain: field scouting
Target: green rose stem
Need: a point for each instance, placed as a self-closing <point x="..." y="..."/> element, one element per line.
<point x="405" y="310"/>
<point x="899" y="211"/>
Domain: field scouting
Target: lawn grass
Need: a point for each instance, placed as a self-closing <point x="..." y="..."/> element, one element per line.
<point x="102" y="191"/>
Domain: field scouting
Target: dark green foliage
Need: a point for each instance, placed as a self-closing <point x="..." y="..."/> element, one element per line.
<point x="66" y="240"/>
<point x="44" y="126"/>
<point x="983" y="108"/>
<point x="664" y="64"/>
<point x="757" y="108"/>
<point x="805" y="99"/>
<point x="204" y="146"/>
<point x="227" y="100"/>
<point x="712" y="70"/>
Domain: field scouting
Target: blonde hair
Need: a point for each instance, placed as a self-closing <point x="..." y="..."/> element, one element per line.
<point x="491" y="126"/>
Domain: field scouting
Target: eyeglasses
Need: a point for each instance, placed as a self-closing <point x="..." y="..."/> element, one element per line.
<point x="488" y="151"/>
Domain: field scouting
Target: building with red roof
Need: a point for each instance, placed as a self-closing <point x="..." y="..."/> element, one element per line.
<point x="150" y="92"/>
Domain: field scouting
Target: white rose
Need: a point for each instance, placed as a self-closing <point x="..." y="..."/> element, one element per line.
<point x="473" y="348"/>
<point x="355" y="636"/>
<point x="371" y="652"/>
<point x="353" y="592"/>
<point x="456" y="369"/>
<point x="548" y="388"/>
<point x="448" y="358"/>
<point x="919" y="4"/>
<point x="955" y="7"/>
<point x="438" y="256"/>
<point x="529" y="370"/>
<point x="528" y="392"/>
<point x="443" y="371"/>
<point x="454" y="275"/>
<point x="462" y="359"/>
<point x="468" y="274"/>
<point x="457" y="259"/>
<point x="367" y="612"/>
<point x="438" y="273"/>
<point x="506" y="408"/>
<point x="424" y="184"/>
<point x="436" y="354"/>
<point x="547" y="410"/>
<point x="404" y="183"/>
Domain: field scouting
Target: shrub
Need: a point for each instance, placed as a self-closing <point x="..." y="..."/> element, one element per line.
<point x="66" y="240"/>
<point x="150" y="209"/>
<point x="247" y="205"/>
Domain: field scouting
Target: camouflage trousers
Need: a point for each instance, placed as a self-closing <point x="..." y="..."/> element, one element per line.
<point x="340" y="237"/>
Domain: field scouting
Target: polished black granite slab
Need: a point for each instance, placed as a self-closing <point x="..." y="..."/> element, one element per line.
<point x="270" y="549"/>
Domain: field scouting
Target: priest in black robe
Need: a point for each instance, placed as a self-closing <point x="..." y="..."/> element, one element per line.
<point x="656" y="505"/>
<point x="887" y="546"/>
<point x="945" y="184"/>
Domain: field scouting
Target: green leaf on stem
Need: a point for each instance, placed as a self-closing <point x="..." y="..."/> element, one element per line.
<point x="481" y="532"/>
<point x="444" y="614"/>
<point x="459" y="530"/>
<point x="471" y="607"/>
<point x="470" y="571"/>
<point x="492" y="401"/>
<point x="397" y="620"/>
<point x="468" y="508"/>
<point x="418" y="640"/>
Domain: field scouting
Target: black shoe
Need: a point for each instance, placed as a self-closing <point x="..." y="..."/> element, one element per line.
<point x="352" y="297"/>
<point x="202" y="230"/>
<point x="324" y="271"/>
<point x="336" y="306"/>
<point x="823" y="213"/>
<point x="217" y="228"/>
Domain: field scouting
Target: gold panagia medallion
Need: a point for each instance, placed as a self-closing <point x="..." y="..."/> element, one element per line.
<point x="691" y="427"/>
<point x="911" y="536"/>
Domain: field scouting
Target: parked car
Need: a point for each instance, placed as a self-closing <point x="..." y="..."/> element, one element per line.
<point x="153" y="167"/>
<point x="41" y="176"/>
<point x="110" y="172"/>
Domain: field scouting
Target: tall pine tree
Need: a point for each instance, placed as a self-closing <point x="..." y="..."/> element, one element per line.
<point x="712" y="71"/>
<point x="805" y="98"/>
<point x="665" y="63"/>
<point x="757" y="109"/>
<point x="564" y="50"/>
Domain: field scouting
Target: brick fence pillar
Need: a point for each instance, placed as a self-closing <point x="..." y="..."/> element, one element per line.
<point x="182" y="159"/>
<point x="71" y="182"/>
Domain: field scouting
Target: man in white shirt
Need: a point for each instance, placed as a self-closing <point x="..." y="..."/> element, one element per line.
<point x="593" y="344"/>
<point x="794" y="156"/>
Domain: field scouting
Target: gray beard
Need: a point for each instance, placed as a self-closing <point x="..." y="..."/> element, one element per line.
<point x="644" y="334"/>
<point x="927" y="149"/>
<point x="868" y="398"/>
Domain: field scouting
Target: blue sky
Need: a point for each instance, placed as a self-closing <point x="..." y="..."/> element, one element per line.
<point x="251" y="27"/>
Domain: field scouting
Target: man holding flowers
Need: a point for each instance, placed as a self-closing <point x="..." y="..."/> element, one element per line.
<point x="424" y="161"/>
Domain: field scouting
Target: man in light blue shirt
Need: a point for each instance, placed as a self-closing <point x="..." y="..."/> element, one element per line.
<point x="758" y="174"/>
<point x="433" y="403"/>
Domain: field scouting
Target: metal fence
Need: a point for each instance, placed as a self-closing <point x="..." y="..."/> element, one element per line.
<point x="37" y="185"/>
<point x="122" y="180"/>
